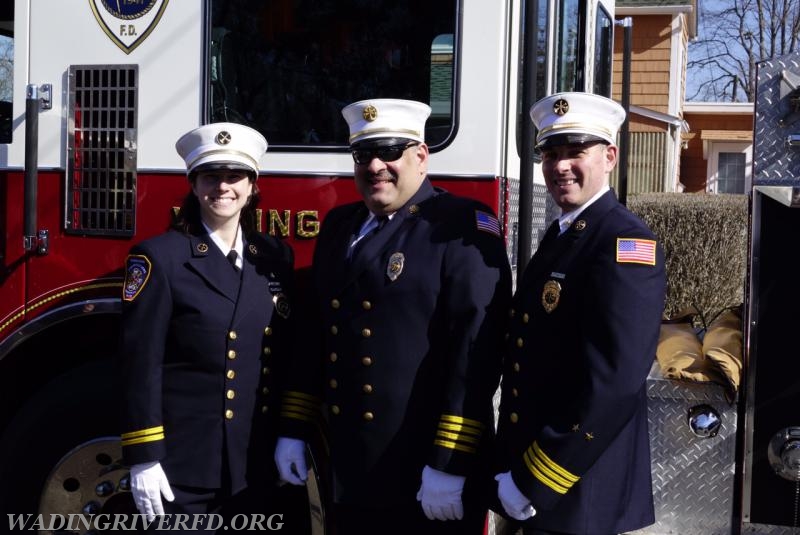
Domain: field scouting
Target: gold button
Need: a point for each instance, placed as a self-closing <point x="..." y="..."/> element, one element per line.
<point x="334" y="357"/>
<point x="231" y="354"/>
<point x="520" y="342"/>
<point x="368" y="416"/>
<point x="514" y="417"/>
<point x="511" y="313"/>
<point x="230" y="394"/>
<point x="366" y="361"/>
<point x="367" y="389"/>
<point x="525" y="318"/>
<point x="267" y="350"/>
<point x="232" y="335"/>
<point x="516" y="366"/>
<point x="366" y="333"/>
<point x="265" y="371"/>
<point x="264" y="409"/>
<point x="335" y="303"/>
<point x="268" y="331"/>
<point x="334" y="329"/>
<point x="515" y="392"/>
<point x="366" y="305"/>
<point x="333" y="383"/>
<point x="335" y="409"/>
<point x="229" y="414"/>
<point x="230" y="374"/>
<point x="265" y="390"/>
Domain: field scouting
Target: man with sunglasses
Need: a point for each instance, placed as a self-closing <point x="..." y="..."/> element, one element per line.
<point x="574" y="455"/>
<point x="411" y="288"/>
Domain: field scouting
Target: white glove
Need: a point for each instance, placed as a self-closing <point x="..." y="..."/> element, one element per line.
<point x="440" y="494"/>
<point x="148" y="483"/>
<point x="290" y="456"/>
<point x="514" y="502"/>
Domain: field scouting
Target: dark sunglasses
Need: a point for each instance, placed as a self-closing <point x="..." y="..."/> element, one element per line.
<point x="385" y="154"/>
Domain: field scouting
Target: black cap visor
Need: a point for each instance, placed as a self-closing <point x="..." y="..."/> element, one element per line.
<point x="223" y="166"/>
<point x="557" y="140"/>
<point x="378" y="142"/>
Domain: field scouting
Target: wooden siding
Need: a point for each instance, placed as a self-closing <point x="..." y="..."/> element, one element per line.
<point x="650" y="62"/>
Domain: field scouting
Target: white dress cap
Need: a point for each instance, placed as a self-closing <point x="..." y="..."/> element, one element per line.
<point x="222" y="146"/>
<point x="564" y="118"/>
<point x="386" y="118"/>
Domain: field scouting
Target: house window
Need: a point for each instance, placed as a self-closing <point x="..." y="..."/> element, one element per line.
<point x="729" y="167"/>
<point x="731" y="172"/>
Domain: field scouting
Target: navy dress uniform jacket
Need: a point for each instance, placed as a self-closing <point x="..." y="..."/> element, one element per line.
<point x="411" y="332"/>
<point x="201" y="346"/>
<point x="583" y="336"/>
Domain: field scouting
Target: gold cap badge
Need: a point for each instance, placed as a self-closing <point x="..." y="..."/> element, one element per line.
<point x="370" y="113"/>
<point x="560" y="107"/>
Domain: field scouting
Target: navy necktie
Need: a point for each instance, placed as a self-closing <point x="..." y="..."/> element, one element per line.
<point x="377" y="224"/>
<point x="232" y="259"/>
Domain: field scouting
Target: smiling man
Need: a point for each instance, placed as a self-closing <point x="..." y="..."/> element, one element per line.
<point x="574" y="455"/>
<point x="411" y="289"/>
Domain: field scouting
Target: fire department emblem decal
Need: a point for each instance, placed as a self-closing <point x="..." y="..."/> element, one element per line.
<point x="128" y="23"/>
<point x="137" y="273"/>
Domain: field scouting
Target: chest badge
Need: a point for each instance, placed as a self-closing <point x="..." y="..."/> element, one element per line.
<point x="550" y="295"/>
<point x="395" y="266"/>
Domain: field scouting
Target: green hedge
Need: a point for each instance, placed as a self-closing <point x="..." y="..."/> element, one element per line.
<point x="704" y="237"/>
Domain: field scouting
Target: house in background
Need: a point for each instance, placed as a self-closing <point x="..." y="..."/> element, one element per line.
<point x="676" y="145"/>
<point x="718" y="153"/>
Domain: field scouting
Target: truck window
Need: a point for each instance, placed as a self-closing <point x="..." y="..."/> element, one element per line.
<point x="603" y="52"/>
<point x="288" y="67"/>
<point x="6" y="69"/>
<point x="569" y="48"/>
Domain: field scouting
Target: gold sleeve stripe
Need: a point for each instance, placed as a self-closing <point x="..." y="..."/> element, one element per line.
<point x="453" y="419"/>
<point x="563" y="472"/>
<point x="456" y="436"/>
<point x="151" y="434"/>
<point x="142" y="440"/>
<point x="461" y="428"/>
<point x="541" y="477"/>
<point x="308" y="407"/>
<point x="547" y="472"/>
<point x="301" y="396"/>
<point x="453" y="446"/>
<point x="143" y="432"/>
<point x="304" y="416"/>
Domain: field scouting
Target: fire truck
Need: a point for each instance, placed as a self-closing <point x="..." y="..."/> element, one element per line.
<point x="94" y="94"/>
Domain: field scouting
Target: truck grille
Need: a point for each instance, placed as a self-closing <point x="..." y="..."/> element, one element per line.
<point x="101" y="155"/>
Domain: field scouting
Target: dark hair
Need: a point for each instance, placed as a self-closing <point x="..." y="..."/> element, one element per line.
<point x="188" y="221"/>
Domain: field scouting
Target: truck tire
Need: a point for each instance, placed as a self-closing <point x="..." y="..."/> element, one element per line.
<point x="73" y="409"/>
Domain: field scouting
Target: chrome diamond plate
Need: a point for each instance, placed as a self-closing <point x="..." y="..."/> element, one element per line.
<point x="774" y="163"/>
<point x="692" y="477"/>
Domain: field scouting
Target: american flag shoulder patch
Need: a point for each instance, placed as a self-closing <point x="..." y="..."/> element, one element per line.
<point x="487" y="222"/>
<point x="636" y="251"/>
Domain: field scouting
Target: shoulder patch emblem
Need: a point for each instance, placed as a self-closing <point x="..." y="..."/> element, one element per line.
<point x="636" y="251"/>
<point x="137" y="273"/>
<point x="487" y="222"/>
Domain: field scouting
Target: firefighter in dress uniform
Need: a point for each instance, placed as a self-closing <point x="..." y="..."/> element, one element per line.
<point x="206" y="316"/>
<point x="410" y="290"/>
<point x="574" y="448"/>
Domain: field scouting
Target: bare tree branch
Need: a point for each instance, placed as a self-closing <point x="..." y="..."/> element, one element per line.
<point x="733" y="37"/>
